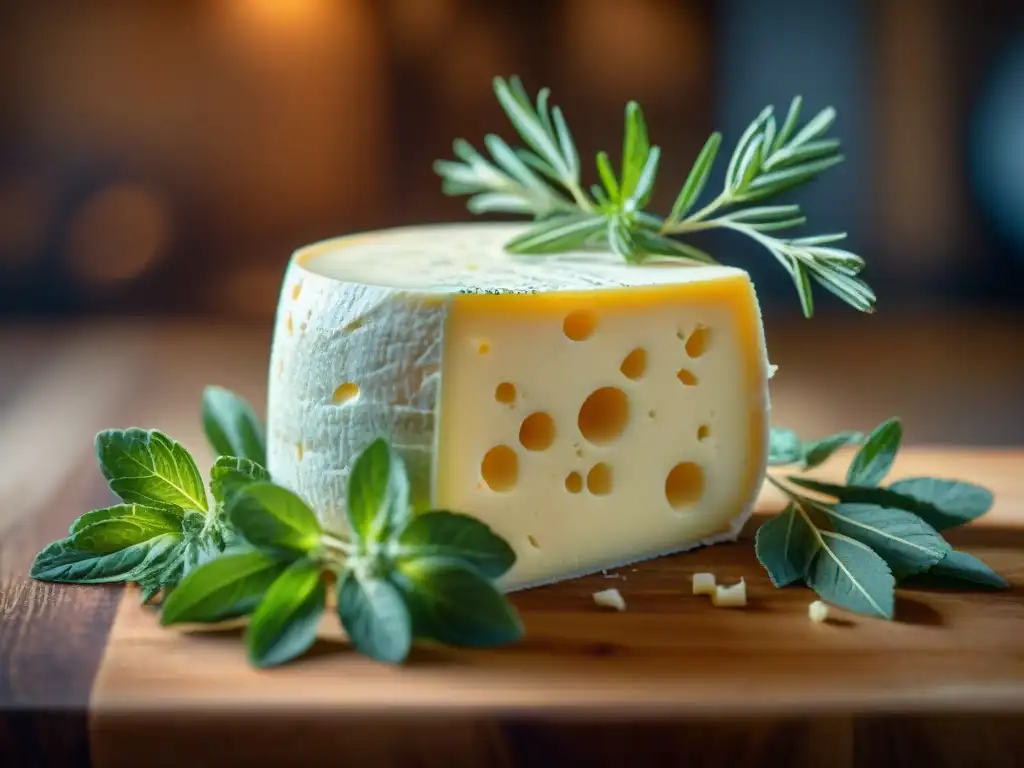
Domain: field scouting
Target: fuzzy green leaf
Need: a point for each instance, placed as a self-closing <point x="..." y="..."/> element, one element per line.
<point x="375" y="617"/>
<point x="230" y="473"/>
<point x="461" y="537"/>
<point x="62" y="562"/>
<point x="232" y="426"/>
<point x="785" y="547"/>
<point x="147" y="467"/>
<point x="875" y="457"/>
<point x="959" y="568"/>
<point x="849" y="574"/>
<point x="268" y="515"/>
<point x="285" y="622"/>
<point x="784" y="447"/>
<point x="906" y="543"/>
<point x="945" y="503"/>
<point x="228" y="587"/>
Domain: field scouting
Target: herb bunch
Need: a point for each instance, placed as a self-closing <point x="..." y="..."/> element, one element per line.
<point x="544" y="180"/>
<point x="259" y="552"/>
<point x="854" y="548"/>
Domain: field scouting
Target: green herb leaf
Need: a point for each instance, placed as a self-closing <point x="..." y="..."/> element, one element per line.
<point x="849" y="574"/>
<point x="960" y="504"/>
<point x="945" y="503"/>
<point x="817" y="452"/>
<point x="378" y="493"/>
<point x="906" y="543"/>
<point x="451" y="535"/>
<point x="147" y="467"/>
<point x="697" y="179"/>
<point x="268" y="515"/>
<point x="785" y="547"/>
<point x="450" y="602"/>
<point x="959" y="567"/>
<point x="123" y="526"/>
<point x="874" y="459"/>
<point x="229" y="473"/>
<point x="62" y="562"/>
<point x="557" y="234"/>
<point x="231" y="426"/>
<point x="375" y="617"/>
<point x="784" y="447"/>
<point x="225" y="588"/>
<point x="170" y="520"/>
<point x="284" y="625"/>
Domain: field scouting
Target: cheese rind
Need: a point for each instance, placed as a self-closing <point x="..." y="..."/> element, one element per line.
<point x="515" y="392"/>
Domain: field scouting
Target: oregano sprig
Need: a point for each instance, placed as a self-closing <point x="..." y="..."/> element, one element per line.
<point x="854" y="542"/>
<point x="260" y="553"/>
<point x="544" y="180"/>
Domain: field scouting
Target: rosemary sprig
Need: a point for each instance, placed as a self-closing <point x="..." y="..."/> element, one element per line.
<point x="543" y="180"/>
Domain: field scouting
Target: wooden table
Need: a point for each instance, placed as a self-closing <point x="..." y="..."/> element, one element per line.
<point x="87" y="675"/>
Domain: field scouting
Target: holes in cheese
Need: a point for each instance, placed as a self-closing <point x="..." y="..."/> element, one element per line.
<point x="697" y="344"/>
<point x="684" y="485"/>
<point x="300" y="450"/>
<point x="703" y="431"/>
<point x="604" y="415"/>
<point x="345" y="392"/>
<point x="533" y="541"/>
<point x="290" y="325"/>
<point x="574" y="482"/>
<point x="579" y="325"/>
<point x="297" y="289"/>
<point x="355" y="325"/>
<point x="635" y="364"/>
<point x="688" y="378"/>
<point x="537" y="431"/>
<point x="599" y="479"/>
<point x="483" y="347"/>
<point x="500" y="468"/>
<point x="505" y="393"/>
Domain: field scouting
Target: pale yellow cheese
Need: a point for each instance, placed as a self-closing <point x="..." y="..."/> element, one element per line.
<point x="593" y="413"/>
<point x="730" y="597"/>
<point x="610" y="598"/>
<point x="818" y="612"/>
<point x="703" y="583"/>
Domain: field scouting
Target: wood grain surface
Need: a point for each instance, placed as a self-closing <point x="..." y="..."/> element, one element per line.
<point x="87" y="675"/>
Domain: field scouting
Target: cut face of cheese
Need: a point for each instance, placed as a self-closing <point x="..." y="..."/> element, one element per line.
<point x="593" y="413"/>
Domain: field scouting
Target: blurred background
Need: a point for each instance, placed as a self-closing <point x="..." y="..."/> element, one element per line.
<point x="165" y="158"/>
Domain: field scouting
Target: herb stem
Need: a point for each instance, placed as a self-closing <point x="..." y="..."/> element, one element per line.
<point x="698" y="220"/>
<point x="333" y="542"/>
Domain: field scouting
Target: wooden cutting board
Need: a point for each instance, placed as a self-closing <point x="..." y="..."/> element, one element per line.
<point x="672" y="680"/>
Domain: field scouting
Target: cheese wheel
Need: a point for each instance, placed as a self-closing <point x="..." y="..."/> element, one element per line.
<point x="592" y="412"/>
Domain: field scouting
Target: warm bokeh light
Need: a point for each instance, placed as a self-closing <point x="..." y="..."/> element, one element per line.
<point x="119" y="233"/>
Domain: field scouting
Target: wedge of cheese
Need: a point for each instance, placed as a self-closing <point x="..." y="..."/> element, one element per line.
<point x="593" y="413"/>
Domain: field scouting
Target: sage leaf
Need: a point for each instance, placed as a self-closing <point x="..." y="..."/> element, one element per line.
<point x="817" y="452"/>
<point x="784" y="447"/>
<point x="945" y="503"/>
<point x="62" y="562"/>
<point x="450" y="602"/>
<point x="169" y="520"/>
<point x="229" y="473"/>
<point x="225" y="588"/>
<point x="147" y="467"/>
<point x="231" y="426"/>
<point x="268" y="515"/>
<point x="849" y="574"/>
<point x="906" y="543"/>
<point x="135" y="525"/>
<point x="378" y="493"/>
<point x="447" y="534"/>
<point x="375" y="617"/>
<point x="958" y="567"/>
<point x="785" y="547"/>
<point x="875" y="457"/>
<point x="284" y="624"/>
<point x="962" y="502"/>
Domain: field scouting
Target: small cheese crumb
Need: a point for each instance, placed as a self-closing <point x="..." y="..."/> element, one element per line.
<point x="610" y="598"/>
<point x="771" y="370"/>
<point x="703" y="583"/>
<point x="818" y="611"/>
<point x="730" y="597"/>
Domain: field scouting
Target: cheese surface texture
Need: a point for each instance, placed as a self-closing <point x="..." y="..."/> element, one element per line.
<point x="593" y="413"/>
